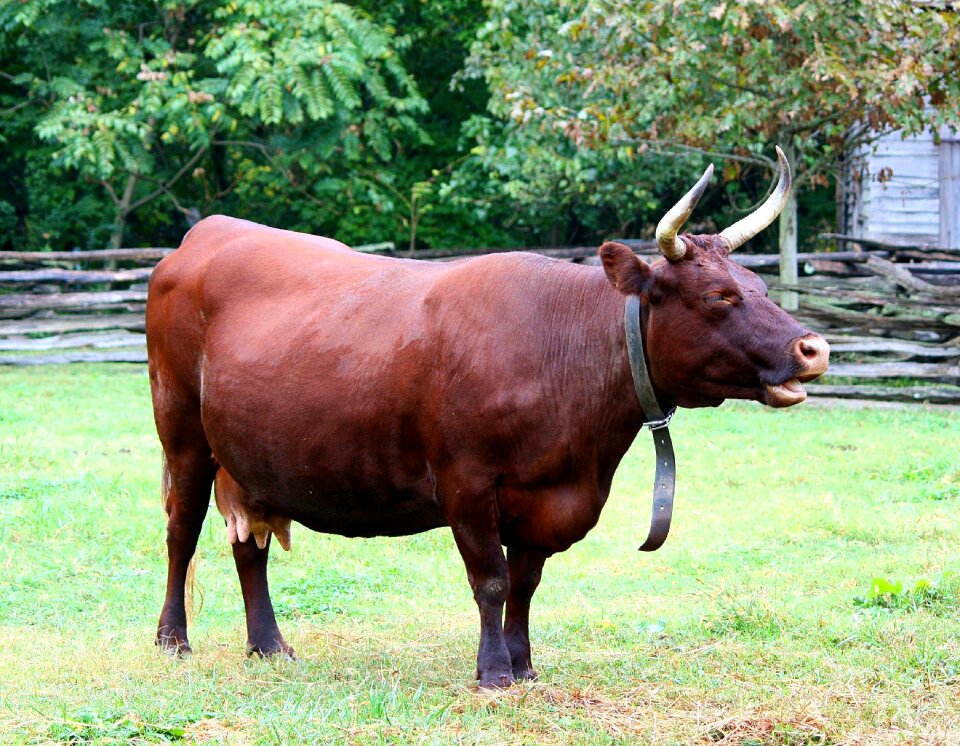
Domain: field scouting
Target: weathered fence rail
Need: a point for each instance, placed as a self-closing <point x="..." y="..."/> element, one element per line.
<point x="20" y="305"/>
<point x="890" y="313"/>
<point x="87" y="257"/>
<point x="892" y="316"/>
<point x="75" y="276"/>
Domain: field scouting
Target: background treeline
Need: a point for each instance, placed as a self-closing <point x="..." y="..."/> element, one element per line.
<point x="443" y="122"/>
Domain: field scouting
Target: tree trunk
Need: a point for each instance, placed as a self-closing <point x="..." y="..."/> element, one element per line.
<point x="414" y="219"/>
<point x="789" y="300"/>
<point x="116" y="235"/>
<point x="123" y="209"/>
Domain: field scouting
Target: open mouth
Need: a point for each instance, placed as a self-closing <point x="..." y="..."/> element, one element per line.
<point x="788" y="393"/>
<point x="785" y="394"/>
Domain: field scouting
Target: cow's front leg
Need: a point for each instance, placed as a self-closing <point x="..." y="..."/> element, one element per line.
<point x="525" y="569"/>
<point x="478" y="539"/>
<point x="487" y="573"/>
<point x="263" y="634"/>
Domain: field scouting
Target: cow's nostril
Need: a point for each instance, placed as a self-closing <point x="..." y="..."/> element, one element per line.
<point x="813" y="353"/>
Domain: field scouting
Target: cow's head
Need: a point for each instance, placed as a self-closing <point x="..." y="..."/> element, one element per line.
<point x="711" y="332"/>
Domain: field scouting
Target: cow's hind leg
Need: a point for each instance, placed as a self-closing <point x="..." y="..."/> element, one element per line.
<point x="247" y="534"/>
<point x="263" y="634"/>
<point x="188" y="476"/>
<point x="525" y="569"/>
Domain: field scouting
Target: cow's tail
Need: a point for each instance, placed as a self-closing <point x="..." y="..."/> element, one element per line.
<point x="191" y="586"/>
<point x="164" y="484"/>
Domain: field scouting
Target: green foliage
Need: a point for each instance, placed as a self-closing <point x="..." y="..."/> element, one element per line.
<point x="8" y="221"/>
<point x="434" y="43"/>
<point x="87" y="726"/>
<point x="729" y="78"/>
<point x="61" y="211"/>
<point x="559" y="193"/>
<point x="189" y="103"/>
<point x="453" y="122"/>
<point x="286" y="62"/>
<point x="890" y="595"/>
<point x="314" y="595"/>
<point x="745" y="617"/>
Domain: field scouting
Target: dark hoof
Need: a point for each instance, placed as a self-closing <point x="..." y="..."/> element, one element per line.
<point x="525" y="674"/>
<point x="496" y="681"/>
<point x="173" y="641"/>
<point x="273" y="649"/>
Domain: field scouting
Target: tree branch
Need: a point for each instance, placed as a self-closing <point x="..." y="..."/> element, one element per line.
<point x="12" y="109"/>
<point x="813" y="123"/>
<point x="243" y="144"/>
<point x="173" y="180"/>
<point x="902" y="277"/>
<point x="113" y="195"/>
<point x="265" y="151"/>
<point x="736" y="86"/>
<point x="670" y="147"/>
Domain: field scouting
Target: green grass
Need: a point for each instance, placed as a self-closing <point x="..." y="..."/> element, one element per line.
<point x="755" y="624"/>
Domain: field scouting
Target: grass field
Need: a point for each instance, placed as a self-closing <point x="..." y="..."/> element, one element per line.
<point x="755" y="624"/>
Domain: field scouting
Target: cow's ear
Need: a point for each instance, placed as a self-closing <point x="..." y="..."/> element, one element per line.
<point x="625" y="271"/>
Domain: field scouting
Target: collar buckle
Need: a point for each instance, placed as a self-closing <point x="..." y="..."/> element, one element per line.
<point x="661" y="423"/>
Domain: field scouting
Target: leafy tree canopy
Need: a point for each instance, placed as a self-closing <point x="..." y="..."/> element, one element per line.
<point x="135" y="96"/>
<point x="626" y="78"/>
<point x="815" y="75"/>
<point x="566" y="120"/>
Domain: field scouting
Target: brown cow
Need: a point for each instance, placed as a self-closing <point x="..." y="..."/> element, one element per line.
<point x="369" y="396"/>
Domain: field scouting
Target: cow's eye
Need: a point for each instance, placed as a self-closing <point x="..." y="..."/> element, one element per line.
<point x="714" y="299"/>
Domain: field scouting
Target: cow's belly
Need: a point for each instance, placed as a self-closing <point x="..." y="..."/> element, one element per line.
<point x="329" y="505"/>
<point x="332" y="503"/>
<point x="320" y="456"/>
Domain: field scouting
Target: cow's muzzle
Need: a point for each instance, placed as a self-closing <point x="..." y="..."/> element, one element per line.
<point x="811" y="355"/>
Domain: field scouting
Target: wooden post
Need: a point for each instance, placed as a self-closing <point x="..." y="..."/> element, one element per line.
<point x="949" y="152"/>
<point x="789" y="300"/>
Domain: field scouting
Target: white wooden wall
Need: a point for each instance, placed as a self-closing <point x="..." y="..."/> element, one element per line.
<point x="894" y="194"/>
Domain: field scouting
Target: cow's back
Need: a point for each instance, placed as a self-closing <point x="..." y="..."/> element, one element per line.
<point x="248" y="291"/>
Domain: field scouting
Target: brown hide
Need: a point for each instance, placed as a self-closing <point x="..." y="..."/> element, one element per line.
<point x="366" y="396"/>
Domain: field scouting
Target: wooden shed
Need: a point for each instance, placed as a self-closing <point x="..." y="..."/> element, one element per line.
<point x="904" y="191"/>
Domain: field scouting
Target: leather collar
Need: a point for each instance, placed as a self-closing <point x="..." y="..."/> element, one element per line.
<point x="665" y="479"/>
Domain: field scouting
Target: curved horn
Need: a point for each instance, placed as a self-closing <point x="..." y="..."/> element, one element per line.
<point x="671" y="246"/>
<point x="743" y="230"/>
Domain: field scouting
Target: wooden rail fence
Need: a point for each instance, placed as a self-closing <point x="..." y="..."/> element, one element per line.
<point x="891" y="314"/>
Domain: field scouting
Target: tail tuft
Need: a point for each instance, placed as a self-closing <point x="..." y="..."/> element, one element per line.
<point x="165" y="486"/>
